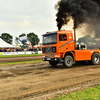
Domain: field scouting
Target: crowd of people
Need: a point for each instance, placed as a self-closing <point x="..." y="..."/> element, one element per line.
<point x="19" y="49"/>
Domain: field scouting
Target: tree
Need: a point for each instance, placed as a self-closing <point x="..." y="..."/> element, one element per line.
<point x="23" y="42"/>
<point x="33" y="38"/>
<point x="7" y="37"/>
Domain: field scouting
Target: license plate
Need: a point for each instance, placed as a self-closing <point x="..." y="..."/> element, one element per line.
<point x="48" y="59"/>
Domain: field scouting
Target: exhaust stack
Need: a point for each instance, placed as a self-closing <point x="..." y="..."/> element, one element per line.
<point x="74" y="38"/>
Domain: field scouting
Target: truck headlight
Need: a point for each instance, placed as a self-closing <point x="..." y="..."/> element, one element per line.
<point x="43" y="56"/>
<point x="55" y="55"/>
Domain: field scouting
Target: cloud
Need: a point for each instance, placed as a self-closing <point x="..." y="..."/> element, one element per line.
<point x="3" y="24"/>
<point x="24" y="16"/>
<point x="24" y="24"/>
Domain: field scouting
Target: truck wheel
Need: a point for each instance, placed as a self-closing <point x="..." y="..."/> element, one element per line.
<point x="53" y="63"/>
<point x="95" y="59"/>
<point x="68" y="61"/>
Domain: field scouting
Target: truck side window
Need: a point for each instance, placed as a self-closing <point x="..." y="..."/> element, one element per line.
<point x="62" y="37"/>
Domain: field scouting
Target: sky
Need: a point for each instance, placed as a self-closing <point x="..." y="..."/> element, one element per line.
<point x="25" y="16"/>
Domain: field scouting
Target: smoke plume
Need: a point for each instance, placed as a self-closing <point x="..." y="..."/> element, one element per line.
<point x="81" y="11"/>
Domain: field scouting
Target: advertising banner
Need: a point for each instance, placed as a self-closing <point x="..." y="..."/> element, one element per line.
<point x="39" y="52"/>
<point x="1" y="53"/>
<point x="21" y="53"/>
<point x="7" y="53"/>
<point x="14" y="53"/>
<point x="28" y="52"/>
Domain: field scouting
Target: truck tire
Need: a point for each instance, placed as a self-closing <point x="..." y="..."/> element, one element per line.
<point x="95" y="59"/>
<point x="68" y="61"/>
<point x="53" y="63"/>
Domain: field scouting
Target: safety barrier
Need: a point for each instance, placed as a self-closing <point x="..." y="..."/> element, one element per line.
<point x="20" y="53"/>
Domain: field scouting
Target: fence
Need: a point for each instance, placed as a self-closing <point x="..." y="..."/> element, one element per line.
<point x="20" y="53"/>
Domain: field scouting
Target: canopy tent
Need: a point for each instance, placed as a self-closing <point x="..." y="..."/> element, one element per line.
<point x="3" y="44"/>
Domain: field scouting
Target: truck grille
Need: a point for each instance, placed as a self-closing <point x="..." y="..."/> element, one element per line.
<point x="49" y="50"/>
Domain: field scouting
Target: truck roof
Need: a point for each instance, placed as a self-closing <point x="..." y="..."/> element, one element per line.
<point x="55" y="32"/>
<point x="65" y="31"/>
<point x="49" y="33"/>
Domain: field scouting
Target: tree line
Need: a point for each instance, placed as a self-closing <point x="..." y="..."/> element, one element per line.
<point x="31" y="37"/>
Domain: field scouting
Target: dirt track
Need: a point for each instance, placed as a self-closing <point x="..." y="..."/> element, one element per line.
<point x="17" y="59"/>
<point x="28" y="81"/>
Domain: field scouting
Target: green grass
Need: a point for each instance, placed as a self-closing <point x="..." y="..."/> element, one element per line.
<point x="21" y="62"/>
<point x="27" y="55"/>
<point x="12" y="56"/>
<point x="88" y="94"/>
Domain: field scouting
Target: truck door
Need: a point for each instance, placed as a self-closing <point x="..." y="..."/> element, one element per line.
<point x="70" y="41"/>
<point x="63" y="42"/>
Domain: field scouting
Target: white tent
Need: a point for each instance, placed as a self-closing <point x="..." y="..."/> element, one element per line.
<point x="3" y="44"/>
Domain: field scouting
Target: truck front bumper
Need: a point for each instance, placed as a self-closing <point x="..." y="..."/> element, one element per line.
<point x="52" y="59"/>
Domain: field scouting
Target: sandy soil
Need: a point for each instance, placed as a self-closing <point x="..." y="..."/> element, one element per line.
<point x="31" y="81"/>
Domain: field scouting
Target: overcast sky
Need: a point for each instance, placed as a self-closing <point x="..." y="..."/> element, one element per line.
<point x="24" y="16"/>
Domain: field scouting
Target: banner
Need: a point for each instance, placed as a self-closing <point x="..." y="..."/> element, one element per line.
<point x="24" y="38"/>
<point x="30" y="44"/>
<point x="28" y="52"/>
<point x="39" y="52"/>
<point x="21" y="52"/>
<point x="1" y="53"/>
<point x="38" y="43"/>
<point x="14" y="53"/>
<point x="7" y="53"/>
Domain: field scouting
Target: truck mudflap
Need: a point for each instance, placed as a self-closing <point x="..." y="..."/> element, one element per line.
<point x="52" y="59"/>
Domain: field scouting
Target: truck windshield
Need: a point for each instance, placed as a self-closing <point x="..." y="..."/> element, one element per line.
<point x="50" y="38"/>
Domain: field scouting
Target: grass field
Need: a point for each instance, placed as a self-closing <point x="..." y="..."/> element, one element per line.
<point x="88" y="94"/>
<point x="11" y="56"/>
<point x="21" y="62"/>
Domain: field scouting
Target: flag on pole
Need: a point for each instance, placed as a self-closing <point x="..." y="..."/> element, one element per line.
<point x="23" y="38"/>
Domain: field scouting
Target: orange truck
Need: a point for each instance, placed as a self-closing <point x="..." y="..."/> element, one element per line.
<point x="60" y="46"/>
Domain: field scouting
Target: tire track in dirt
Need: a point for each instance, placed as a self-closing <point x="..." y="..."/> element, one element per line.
<point x="64" y="92"/>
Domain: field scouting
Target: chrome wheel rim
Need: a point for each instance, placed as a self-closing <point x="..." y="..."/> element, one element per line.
<point x="68" y="61"/>
<point x="96" y="59"/>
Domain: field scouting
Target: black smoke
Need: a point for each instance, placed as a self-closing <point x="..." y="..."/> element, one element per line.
<point x="81" y="11"/>
<point x="97" y="1"/>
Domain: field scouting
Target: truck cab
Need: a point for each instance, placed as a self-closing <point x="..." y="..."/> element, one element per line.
<point x="60" y="46"/>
